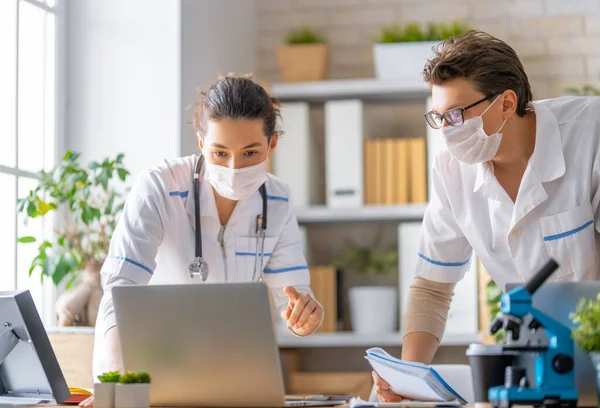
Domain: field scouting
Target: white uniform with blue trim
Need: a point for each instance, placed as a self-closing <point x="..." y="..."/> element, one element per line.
<point x="154" y="240"/>
<point x="556" y="213"/>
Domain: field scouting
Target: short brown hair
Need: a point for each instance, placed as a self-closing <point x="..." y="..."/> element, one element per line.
<point x="489" y="63"/>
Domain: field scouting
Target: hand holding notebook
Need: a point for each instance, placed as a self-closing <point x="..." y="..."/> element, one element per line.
<point x="421" y="382"/>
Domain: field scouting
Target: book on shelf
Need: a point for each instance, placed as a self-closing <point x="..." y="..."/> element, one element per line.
<point x="323" y="282"/>
<point x="389" y="173"/>
<point x="401" y="170"/>
<point x="418" y="170"/>
<point x="395" y="171"/>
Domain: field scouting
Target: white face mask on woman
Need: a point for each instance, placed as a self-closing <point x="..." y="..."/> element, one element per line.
<point x="469" y="143"/>
<point x="236" y="184"/>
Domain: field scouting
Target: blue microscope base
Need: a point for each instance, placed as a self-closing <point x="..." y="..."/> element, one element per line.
<point x="506" y="397"/>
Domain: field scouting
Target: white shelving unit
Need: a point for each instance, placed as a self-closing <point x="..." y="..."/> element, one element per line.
<point x="350" y="339"/>
<point x="324" y="214"/>
<point x="368" y="89"/>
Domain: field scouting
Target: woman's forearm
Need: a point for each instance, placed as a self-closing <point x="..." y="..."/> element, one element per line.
<point x="113" y="350"/>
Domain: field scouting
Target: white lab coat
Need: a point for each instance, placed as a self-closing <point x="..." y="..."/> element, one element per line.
<point x="154" y="240"/>
<point x="556" y="213"/>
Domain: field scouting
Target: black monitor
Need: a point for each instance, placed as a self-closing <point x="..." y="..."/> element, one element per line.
<point x="29" y="371"/>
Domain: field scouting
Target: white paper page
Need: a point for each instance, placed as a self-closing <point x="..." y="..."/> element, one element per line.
<point x="458" y="377"/>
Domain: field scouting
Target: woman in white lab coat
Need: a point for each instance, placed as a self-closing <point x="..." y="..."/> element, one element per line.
<point x="518" y="184"/>
<point x="154" y="242"/>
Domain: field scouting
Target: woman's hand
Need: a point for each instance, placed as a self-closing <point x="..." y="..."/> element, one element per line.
<point x="383" y="390"/>
<point x="88" y="402"/>
<point x="303" y="313"/>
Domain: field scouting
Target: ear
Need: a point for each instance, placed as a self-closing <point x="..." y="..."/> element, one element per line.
<point x="200" y="141"/>
<point x="274" y="142"/>
<point x="509" y="101"/>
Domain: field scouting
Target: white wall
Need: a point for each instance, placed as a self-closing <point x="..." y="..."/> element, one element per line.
<point x="123" y="80"/>
<point x="219" y="36"/>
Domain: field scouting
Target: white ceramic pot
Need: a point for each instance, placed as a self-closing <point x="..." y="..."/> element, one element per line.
<point x="132" y="395"/>
<point x="373" y="309"/>
<point x="104" y="395"/>
<point x="402" y="61"/>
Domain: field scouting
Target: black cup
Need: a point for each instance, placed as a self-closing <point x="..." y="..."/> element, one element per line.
<point x="488" y="364"/>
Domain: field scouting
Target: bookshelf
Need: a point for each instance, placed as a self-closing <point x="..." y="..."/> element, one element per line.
<point x="344" y="140"/>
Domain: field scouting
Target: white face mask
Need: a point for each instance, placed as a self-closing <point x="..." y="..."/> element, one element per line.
<point x="469" y="143"/>
<point x="236" y="184"/>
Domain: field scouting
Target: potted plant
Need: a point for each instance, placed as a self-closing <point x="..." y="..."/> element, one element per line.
<point x="493" y="296"/>
<point x="401" y="52"/>
<point x="83" y="207"/>
<point x="133" y="390"/>
<point x="104" y="391"/>
<point x="303" y="57"/>
<point x="373" y="308"/>
<point x="587" y="331"/>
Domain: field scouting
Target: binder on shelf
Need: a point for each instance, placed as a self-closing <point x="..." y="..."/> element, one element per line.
<point x="323" y="282"/>
<point x="401" y="171"/>
<point x="344" y="153"/>
<point x="418" y="171"/>
<point x="293" y="160"/>
<point x="463" y="316"/>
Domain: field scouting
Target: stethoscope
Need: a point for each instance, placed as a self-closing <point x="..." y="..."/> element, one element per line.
<point x="199" y="267"/>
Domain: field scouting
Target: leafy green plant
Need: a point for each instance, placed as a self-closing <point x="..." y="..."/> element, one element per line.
<point x="493" y="295"/>
<point x="110" y="377"/>
<point x="415" y="32"/>
<point x="86" y="207"/>
<point x="304" y="35"/>
<point x="370" y="261"/>
<point x="130" y="377"/>
<point x="587" y="319"/>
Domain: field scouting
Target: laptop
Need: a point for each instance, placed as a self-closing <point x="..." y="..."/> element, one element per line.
<point x="29" y="371"/>
<point x="559" y="300"/>
<point x="205" y="345"/>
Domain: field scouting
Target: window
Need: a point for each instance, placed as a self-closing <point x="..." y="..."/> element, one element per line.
<point x="27" y="133"/>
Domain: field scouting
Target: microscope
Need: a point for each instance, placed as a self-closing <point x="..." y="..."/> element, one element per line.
<point x="554" y="384"/>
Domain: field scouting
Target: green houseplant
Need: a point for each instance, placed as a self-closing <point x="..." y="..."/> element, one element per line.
<point x="400" y="52"/>
<point x="133" y="390"/>
<point x="587" y="331"/>
<point x="304" y="56"/>
<point x="373" y="309"/>
<point x="83" y="206"/>
<point x="493" y="295"/>
<point x="104" y="391"/>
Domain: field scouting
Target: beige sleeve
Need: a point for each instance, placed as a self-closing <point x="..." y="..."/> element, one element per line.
<point x="427" y="306"/>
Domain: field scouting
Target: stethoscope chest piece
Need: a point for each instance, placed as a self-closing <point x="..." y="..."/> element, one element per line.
<point x="198" y="268"/>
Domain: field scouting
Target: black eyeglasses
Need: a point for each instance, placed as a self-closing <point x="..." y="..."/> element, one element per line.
<point x="453" y="117"/>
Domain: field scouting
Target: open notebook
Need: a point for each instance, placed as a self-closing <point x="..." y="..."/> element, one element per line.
<point x="420" y="382"/>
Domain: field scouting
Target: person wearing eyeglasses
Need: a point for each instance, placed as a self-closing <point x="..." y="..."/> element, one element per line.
<point x="519" y="183"/>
